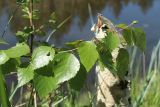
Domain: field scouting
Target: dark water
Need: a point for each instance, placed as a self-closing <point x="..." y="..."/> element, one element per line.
<point x="147" y="12"/>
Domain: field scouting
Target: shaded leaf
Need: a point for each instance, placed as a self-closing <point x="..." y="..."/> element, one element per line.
<point x="105" y="60"/>
<point x="23" y="35"/>
<point x="122" y="62"/>
<point x="78" y="81"/>
<point x="128" y="36"/>
<point x="10" y="66"/>
<point x="88" y="54"/>
<point x="140" y="38"/>
<point x="42" y="56"/>
<point x="44" y="84"/>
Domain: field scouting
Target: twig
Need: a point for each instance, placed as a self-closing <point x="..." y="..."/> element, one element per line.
<point x="30" y="98"/>
<point x="35" y="98"/>
<point x="20" y="105"/>
<point x="31" y="24"/>
<point x="56" y="103"/>
<point x="10" y="98"/>
<point x="71" y="50"/>
<point x="128" y="26"/>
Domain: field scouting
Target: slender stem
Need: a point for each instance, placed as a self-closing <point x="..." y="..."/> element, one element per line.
<point x="31" y="24"/>
<point x="71" y="50"/>
<point x="144" y="63"/>
<point x="33" y="93"/>
<point x="30" y="98"/>
<point x="13" y="93"/>
<point x="35" y="98"/>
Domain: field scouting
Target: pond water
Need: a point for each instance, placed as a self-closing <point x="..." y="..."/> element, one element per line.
<point x="147" y="12"/>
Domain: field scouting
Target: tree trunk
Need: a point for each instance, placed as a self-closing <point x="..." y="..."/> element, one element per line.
<point x="111" y="91"/>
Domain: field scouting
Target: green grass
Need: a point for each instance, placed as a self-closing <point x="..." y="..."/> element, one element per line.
<point x="145" y="91"/>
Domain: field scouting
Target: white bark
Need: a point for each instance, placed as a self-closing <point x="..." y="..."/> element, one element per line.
<point x="111" y="91"/>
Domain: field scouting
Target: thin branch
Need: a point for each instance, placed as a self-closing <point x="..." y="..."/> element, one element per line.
<point x="13" y="93"/>
<point x="128" y="26"/>
<point x="21" y="105"/>
<point x="31" y="24"/>
<point x="30" y="98"/>
<point x="35" y="98"/>
<point x="71" y="50"/>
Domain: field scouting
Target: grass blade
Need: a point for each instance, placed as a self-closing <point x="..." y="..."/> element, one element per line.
<point x="3" y="92"/>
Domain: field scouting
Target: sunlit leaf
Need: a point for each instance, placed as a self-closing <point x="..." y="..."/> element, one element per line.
<point x="65" y="67"/>
<point x="18" y="50"/>
<point x="122" y="26"/>
<point x="88" y="54"/>
<point x="3" y="57"/>
<point x="42" y="56"/>
<point x="74" y="43"/>
<point x="25" y="75"/>
<point x="111" y="41"/>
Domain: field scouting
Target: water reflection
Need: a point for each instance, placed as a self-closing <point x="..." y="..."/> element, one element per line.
<point x="75" y="8"/>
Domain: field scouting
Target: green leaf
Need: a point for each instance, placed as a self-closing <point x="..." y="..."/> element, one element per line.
<point x="88" y="54"/>
<point x="135" y="36"/>
<point x="3" y="57"/>
<point x="122" y="62"/>
<point x="105" y="60"/>
<point x="78" y="81"/>
<point x="111" y="41"/>
<point x="42" y="56"/>
<point x="18" y="50"/>
<point x="65" y="67"/>
<point x="74" y="43"/>
<point x="44" y="84"/>
<point x="122" y="26"/>
<point x="23" y="35"/>
<point x="25" y="75"/>
<point x="140" y="38"/>
<point x="128" y="36"/>
<point x="3" y="41"/>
